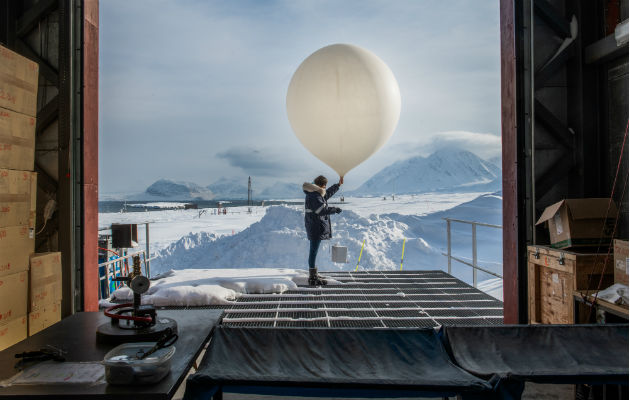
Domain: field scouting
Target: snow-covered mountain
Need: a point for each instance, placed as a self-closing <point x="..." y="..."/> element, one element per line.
<point x="282" y="190"/>
<point x="166" y="189"/>
<point x="496" y="160"/>
<point x="228" y="189"/>
<point x="448" y="170"/>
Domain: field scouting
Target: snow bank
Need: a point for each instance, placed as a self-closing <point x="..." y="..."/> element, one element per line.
<point x="200" y="287"/>
<point x="493" y="287"/>
<point x="274" y="237"/>
<point x="279" y="240"/>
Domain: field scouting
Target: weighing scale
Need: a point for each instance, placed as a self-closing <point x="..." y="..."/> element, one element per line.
<point x="134" y="322"/>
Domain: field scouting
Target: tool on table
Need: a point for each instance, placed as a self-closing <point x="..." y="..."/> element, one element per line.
<point x="168" y="340"/>
<point x="44" y="354"/>
<point x="134" y="322"/>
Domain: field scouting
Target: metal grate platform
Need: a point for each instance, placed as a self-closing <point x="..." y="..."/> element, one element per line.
<point x="373" y="299"/>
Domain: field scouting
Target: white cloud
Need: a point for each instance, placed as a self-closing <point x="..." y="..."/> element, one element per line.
<point x="485" y="145"/>
<point x="184" y="81"/>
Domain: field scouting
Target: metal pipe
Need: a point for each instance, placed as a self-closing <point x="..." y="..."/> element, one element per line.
<point x="115" y="260"/>
<point x="147" y="259"/>
<point x="532" y="91"/>
<point x="478" y="267"/>
<point x="473" y="222"/>
<point x="474" y="254"/>
<point x="448" y="241"/>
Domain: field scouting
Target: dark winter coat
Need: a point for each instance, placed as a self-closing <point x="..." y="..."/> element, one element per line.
<point x="317" y="213"/>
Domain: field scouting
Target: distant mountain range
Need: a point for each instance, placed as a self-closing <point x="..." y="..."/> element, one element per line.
<point x="228" y="189"/>
<point x="166" y="189"/>
<point x="447" y="170"/>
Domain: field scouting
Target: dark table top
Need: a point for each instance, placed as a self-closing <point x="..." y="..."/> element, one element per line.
<point x="77" y="335"/>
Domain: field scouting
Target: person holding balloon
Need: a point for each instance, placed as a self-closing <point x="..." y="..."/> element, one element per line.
<point x="343" y="104"/>
<point x="317" y="220"/>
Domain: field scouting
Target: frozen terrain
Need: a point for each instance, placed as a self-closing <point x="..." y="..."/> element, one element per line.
<point x="446" y="170"/>
<point x="168" y="226"/>
<point x="198" y="287"/>
<point x="272" y="241"/>
<point x="277" y="239"/>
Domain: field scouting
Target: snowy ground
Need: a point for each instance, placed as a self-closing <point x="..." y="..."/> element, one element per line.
<point x="168" y="226"/>
<point x="273" y="237"/>
<point x="199" y="287"/>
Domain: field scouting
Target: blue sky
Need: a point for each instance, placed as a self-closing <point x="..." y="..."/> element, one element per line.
<point x="195" y="90"/>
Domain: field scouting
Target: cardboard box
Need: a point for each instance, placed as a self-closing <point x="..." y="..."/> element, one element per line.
<point x="18" y="82"/>
<point x="13" y="331"/>
<point x="13" y="296"/>
<point x="16" y="245"/>
<point x="621" y="261"/>
<point x="579" y="222"/>
<point x="43" y="317"/>
<point x="18" y="198"/>
<point x="17" y="140"/>
<point x="45" y="280"/>
<point x="552" y="277"/>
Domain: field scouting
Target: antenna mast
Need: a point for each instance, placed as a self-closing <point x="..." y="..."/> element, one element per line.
<point x="250" y="202"/>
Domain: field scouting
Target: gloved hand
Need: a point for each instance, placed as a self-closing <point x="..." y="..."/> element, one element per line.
<point x="337" y="210"/>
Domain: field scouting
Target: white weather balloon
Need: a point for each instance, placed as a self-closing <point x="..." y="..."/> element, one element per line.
<point x="343" y="104"/>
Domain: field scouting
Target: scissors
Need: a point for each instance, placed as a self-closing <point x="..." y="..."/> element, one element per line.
<point x="168" y="339"/>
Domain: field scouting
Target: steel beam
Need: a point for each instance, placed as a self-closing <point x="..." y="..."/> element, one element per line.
<point x="550" y="177"/>
<point x="65" y="188"/>
<point x="558" y="130"/>
<point x="7" y="23"/>
<point x="510" y="156"/>
<point x="89" y="159"/>
<point x="46" y="182"/>
<point x="547" y="71"/>
<point x="47" y="115"/>
<point x="552" y="18"/>
<point x="33" y="15"/>
<point x="604" y="50"/>
<point x="45" y="69"/>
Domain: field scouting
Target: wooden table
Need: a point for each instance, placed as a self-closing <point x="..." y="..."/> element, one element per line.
<point x="610" y="308"/>
<point x="77" y="335"/>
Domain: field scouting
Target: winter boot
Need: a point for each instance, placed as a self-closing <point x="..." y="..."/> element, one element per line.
<point x="314" y="279"/>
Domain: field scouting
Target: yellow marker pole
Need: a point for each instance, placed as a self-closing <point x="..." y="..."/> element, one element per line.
<point x="360" y="254"/>
<point x="403" y="254"/>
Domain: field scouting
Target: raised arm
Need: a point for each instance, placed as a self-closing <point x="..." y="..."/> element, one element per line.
<point x="331" y="191"/>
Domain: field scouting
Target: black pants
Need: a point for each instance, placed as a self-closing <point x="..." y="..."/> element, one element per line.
<point x="312" y="254"/>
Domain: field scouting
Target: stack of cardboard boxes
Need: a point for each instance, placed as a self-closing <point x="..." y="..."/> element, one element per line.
<point x="577" y="258"/>
<point x="44" y="291"/>
<point x="622" y="262"/>
<point x="18" y="191"/>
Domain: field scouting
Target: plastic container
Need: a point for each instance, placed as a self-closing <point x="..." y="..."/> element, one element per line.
<point x="123" y="367"/>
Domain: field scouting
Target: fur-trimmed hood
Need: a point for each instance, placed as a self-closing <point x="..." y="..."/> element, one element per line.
<point x="311" y="187"/>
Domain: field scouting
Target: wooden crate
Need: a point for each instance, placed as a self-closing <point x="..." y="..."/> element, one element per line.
<point x="553" y="275"/>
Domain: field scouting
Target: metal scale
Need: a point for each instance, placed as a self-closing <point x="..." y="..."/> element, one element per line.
<point x="134" y="322"/>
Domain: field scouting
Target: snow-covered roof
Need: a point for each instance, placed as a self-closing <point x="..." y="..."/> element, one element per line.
<point x="378" y="299"/>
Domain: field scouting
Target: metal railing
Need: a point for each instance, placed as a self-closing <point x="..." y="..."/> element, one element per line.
<point x="146" y="246"/>
<point x="473" y="265"/>
<point x="124" y="260"/>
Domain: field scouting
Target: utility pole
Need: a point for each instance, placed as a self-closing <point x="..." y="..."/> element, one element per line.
<point x="250" y="202"/>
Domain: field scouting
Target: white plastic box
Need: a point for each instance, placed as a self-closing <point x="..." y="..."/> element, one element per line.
<point x="123" y="367"/>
